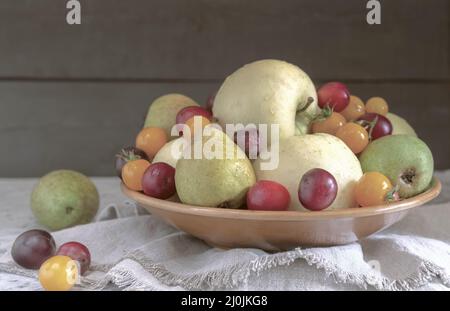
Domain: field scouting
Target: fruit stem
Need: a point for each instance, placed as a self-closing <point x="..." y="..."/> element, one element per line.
<point x="368" y="125"/>
<point x="128" y="155"/>
<point x="309" y="101"/>
<point x="392" y="195"/>
<point x="327" y="111"/>
<point x="372" y="125"/>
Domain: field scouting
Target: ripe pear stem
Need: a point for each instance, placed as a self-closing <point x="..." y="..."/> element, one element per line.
<point x="309" y="101"/>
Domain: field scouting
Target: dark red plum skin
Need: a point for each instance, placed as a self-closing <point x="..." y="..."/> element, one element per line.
<point x="383" y="126"/>
<point x="189" y="112"/>
<point x="32" y="248"/>
<point x="159" y="181"/>
<point x="333" y="94"/>
<point x="267" y="195"/>
<point x="317" y="189"/>
<point x="78" y="252"/>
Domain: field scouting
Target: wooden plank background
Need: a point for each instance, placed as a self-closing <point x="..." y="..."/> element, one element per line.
<point x="71" y="96"/>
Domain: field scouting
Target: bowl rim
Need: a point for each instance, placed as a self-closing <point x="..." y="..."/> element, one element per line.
<point x="432" y="192"/>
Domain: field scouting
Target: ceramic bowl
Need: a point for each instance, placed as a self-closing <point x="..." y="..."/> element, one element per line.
<point x="275" y="231"/>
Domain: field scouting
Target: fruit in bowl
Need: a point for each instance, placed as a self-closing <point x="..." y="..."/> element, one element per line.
<point x="268" y="92"/>
<point x="400" y="126"/>
<point x="158" y="180"/>
<point x="317" y="190"/>
<point x="300" y="154"/>
<point x="377" y="105"/>
<point x="376" y="125"/>
<point x="329" y="122"/>
<point x="128" y="154"/>
<point x="186" y="115"/>
<point x="355" y="109"/>
<point x="334" y="95"/>
<point x="217" y="182"/>
<point x="171" y="152"/>
<point x="151" y="140"/>
<point x="327" y="168"/>
<point x="354" y="136"/>
<point x="267" y="195"/>
<point x="163" y="111"/>
<point x="405" y="160"/>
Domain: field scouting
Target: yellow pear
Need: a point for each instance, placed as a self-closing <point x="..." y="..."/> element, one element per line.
<point x="268" y="92"/>
<point x="299" y="154"/>
<point x="171" y="152"/>
<point x="219" y="176"/>
<point x="400" y="126"/>
<point x="163" y="111"/>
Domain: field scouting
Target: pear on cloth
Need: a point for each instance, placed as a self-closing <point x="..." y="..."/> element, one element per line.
<point x="63" y="199"/>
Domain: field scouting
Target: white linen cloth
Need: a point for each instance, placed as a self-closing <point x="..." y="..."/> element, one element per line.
<point x="133" y="250"/>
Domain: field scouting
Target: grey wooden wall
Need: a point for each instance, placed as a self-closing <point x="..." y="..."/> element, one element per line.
<point x="71" y="96"/>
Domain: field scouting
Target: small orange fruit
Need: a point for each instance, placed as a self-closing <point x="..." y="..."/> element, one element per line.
<point x="58" y="273"/>
<point x="354" y="136"/>
<point x="355" y="109"/>
<point x="132" y="173"/>
<point x="151" y="140"/>
<point x="377" y="105"/>
<point x="197" y="123"/>
<point x="373" y="189"/>
<point x="330" y="124"/>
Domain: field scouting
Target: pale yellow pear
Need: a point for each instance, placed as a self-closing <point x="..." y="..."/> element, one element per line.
<point x="299" y="154"/>
<point x="400" y="126"/>
<point x="171" y="152"/>
<point x="268" y="92"/>
<point x="214" y="182"/>
<point x="163" y="111"/>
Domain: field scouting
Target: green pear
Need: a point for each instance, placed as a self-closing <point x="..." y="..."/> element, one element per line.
<point x="163" y="111"/>
<point x="268" y="92"/>
<point x="405" y="160"/>
<point x="171" y="152"/>
<point x="400" y="126"/>
<point x="218" y="181"/>
<point x="63" y="199"/>
<point x="299" y="154"/>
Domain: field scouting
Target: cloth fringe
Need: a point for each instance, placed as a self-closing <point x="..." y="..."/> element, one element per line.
<point x="232" y="276"/>
<point x="239" y="274"/>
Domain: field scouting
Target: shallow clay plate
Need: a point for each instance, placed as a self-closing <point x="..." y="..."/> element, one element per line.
<point x="274" y="231"/>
